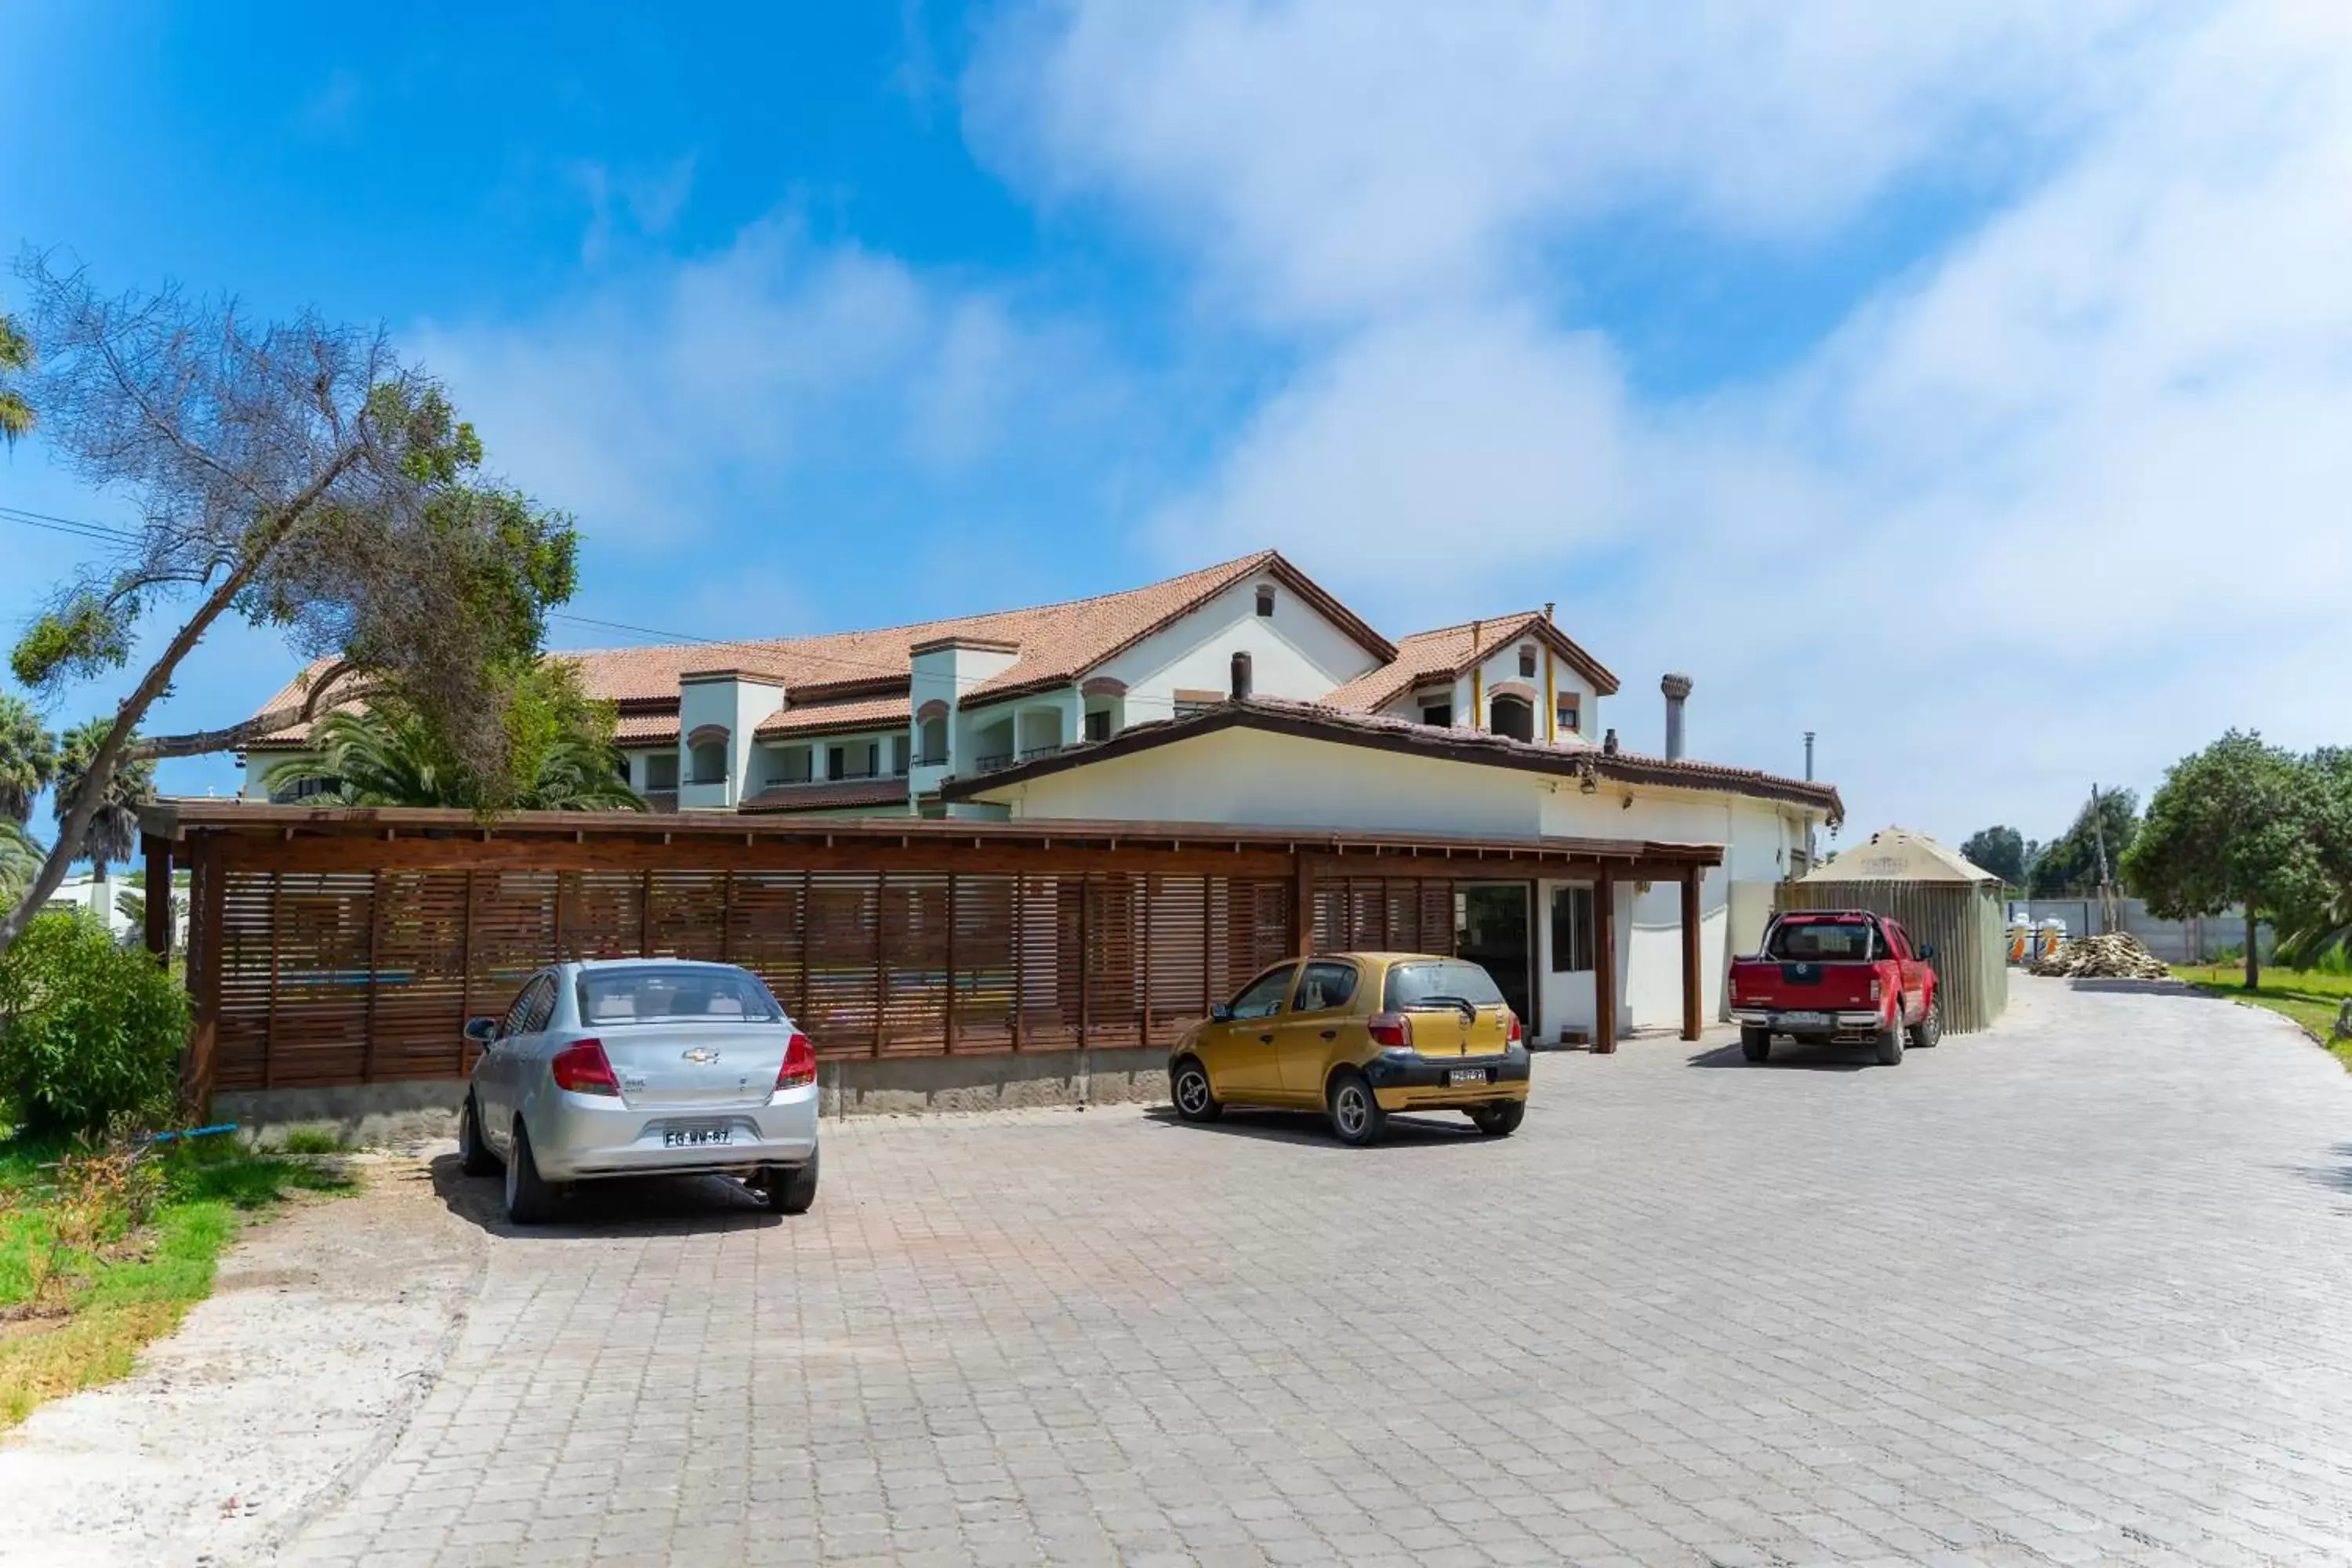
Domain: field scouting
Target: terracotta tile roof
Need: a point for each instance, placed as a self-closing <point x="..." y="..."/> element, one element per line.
<point x="1447" y="652"/>
<point x="647" y="728"/>
<point x="1057" y="643"/>
<point x="1321" y="721"/>
<point x="837" y="717"/>
<point x="831" y="792"/>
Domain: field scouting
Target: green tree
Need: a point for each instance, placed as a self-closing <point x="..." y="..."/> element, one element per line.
<point x="89" y="1030"/>
<point x="298" y="475"/>
<point x="2069" y="865"/>
<point x="561" y="750"/>
<point x="2321" y="921"/>
<point x="20" y="860"/>
<point x="110" y="835"/>
<point x="2228" y="826"/>
<point x="28" y="757"/>
<point x="15" y="357"/>
<point x="2000" y="850"/>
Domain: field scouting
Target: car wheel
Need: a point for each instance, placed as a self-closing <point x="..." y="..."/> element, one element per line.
<point x="1189" y="1087"/>
<point x="1930" y="1027"/>
<point x="1755" y="1045"/>
<point x="473" y="1156"/>
<point x="1501" y="1119"/>
<point x="793" y="1190"/>
<point x="1356" y="1116"/>
<point x="529" y="1200"/>
<point x="1890" y="1042"/>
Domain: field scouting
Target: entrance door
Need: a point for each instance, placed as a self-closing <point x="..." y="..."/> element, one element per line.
<point x="1493" y="928"/>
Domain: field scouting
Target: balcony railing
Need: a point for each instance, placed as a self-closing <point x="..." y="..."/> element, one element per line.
<point x="1001" y="760"/>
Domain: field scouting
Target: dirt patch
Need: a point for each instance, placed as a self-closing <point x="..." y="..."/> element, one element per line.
<point x="325" y="1326"/>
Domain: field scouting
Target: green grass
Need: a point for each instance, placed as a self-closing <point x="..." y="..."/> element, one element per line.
<point x="2309" y="996"/>
<point x="134" y="1285"/>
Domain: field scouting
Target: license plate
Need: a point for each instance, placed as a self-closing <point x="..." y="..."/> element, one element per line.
<point x="694" y="1137"/>
<point x="1804" y="1020"/>
<point x="1466" y="1075"/>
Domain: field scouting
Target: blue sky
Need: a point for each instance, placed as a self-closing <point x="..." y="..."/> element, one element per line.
<point x="1903" y="378"/>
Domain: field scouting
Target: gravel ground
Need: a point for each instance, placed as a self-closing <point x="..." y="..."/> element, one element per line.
<point x="327" y="1325"/>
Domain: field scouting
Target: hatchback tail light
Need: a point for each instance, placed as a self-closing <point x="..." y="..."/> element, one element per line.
<point x="583" y="1067"/>
<point x="1517" y="1032"/>
<point x="800" y="1063"/>
<point x="1394" y="1030"/>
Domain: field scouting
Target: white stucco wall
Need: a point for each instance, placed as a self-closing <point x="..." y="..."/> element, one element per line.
<point x="740" y="706"/>
<point x="1250" y="777"/>
<point x="1294" y="653"/>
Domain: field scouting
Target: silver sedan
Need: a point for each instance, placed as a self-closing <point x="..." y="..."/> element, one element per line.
<point x="641" y="1066"/>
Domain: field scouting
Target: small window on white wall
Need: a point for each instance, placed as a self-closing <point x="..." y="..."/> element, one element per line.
<point x="1528" y="661"/>
<point x="1568" y="713"/>
<point x="1266" y="599"/>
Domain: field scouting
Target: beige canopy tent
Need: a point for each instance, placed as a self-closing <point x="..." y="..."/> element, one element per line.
<point x="1940" y="897"/>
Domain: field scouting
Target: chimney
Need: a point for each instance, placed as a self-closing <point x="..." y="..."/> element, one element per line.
<point x="1609" y="744"/>
<point x="1676" y="688"/>
<point x="1549" y="605"/>
<point x="1808" y="756"/>
<point x="1241" y="678"/>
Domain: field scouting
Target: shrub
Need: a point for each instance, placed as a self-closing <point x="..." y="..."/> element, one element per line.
<point x="89" y="1032"/>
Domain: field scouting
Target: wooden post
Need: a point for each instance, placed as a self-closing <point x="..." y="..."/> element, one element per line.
<point x="375" y="945"/>
<point x="1604" y="965"/>
<point x="1690" y="954"/>
<point x="881" y="960"/>
<point x="948" y="1020"/>
<point x="158" y="898"/>
<point x="645" y="912"/>
<point x="205" y="902"/>
<point x="270" y="1024"/>
<point x="1302" y="911"/>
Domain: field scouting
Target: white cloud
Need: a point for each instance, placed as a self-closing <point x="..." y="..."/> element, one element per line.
<point x="2058" y="505"/>
<point x="647" y="400"/>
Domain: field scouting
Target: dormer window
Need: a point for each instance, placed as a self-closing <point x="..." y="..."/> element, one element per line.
<point x="1265" y="598"/>
<point x="1568" y="713"/>
<point x="1527" y="661"/>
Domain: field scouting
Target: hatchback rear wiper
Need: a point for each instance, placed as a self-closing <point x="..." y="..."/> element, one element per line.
<point x="1469" y="1009"/>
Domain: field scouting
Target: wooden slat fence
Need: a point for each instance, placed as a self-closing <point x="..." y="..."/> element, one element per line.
<point x="363" y="976"/>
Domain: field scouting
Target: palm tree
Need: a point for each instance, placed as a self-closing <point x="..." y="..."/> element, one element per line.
<point x="114" y="834"/>
<point x="28" y="756"/>
<point x="375" y="757"/>
<point x="16" y="353"/>
<point x="20" y="860"/>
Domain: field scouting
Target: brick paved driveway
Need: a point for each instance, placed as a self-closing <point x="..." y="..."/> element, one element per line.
<point x="2077" y="1292"/>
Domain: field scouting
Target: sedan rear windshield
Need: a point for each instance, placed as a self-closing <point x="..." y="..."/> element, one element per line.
<point x="667" y="994"/>
<point x="1820" y="942"/>
<point x="1429" y="986"/>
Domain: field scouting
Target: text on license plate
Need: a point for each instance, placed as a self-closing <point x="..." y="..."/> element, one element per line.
<point x="1805" y="1020"/>
<point x="1466" y="1075"/>
<point x="693" y="1137"/>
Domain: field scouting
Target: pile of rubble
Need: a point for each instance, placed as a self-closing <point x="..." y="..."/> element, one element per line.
<point x="2117" y="956"/>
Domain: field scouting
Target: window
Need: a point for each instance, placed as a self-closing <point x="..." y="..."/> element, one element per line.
<point x="1816" y="942"/>
<point x="1324" y="986"/>
<point x="709" y="763"/>
<point x="1566" y="712"/>
<point x="935" y="742"/>
<point x="1266" y="599"/>
<point x="1572" y="929"/>
<point x="897" y="754"/>
<point x="1098" y="724"/>
<point x="644" y="994"/>
<point x="1437" y="715"/>
<point x="1527" y="661"/>
<point x="1262" y="998"/>
<point x="519" y="1009"/>
<point x="1513" y="716"/>
<point x="661" y="770"/>
<point x="1439" y="983"/>
<point x="791" y="765"/>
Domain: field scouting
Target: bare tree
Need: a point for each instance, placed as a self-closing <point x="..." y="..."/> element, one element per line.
<point x="301" y="475"/>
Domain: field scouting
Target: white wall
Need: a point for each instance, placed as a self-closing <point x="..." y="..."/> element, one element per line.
<point x="740" y="706"/>
<point x="1295" y="653"/>
<point x="1250" y="777"/>
<point x="944" y="674"/>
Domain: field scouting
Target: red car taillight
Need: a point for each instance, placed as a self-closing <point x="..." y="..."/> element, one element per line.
<point x="800" y="1063"/>
<point x="1390" y="1029"/>
<point x="583" y="1067"/>
<point x="1517" y="1034"/>
<point x="1874" y="989"/>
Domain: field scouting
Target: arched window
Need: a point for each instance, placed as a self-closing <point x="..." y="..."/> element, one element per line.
<point x="709" y="763"/>
<point x="933" y="732"/>
<point x="1512" y="715"/>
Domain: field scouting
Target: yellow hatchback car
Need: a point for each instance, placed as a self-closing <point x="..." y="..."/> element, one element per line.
<point x="1360" y="1035"/>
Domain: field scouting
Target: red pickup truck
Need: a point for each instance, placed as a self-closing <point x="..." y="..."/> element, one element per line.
<point x="1836" y="974"/>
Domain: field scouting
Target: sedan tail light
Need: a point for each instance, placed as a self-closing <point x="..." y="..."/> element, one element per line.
<point x="1394" y="1030"/>
<point x="583" y="1067"/>
<point x="800" y="1063"/>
